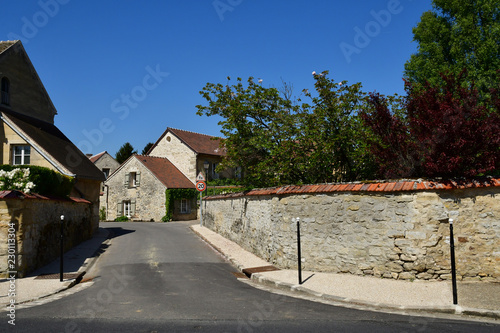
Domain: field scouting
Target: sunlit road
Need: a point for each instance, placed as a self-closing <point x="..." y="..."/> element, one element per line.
<point x="160" y="277"/>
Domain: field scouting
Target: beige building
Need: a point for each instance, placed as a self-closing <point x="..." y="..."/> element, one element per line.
<point x="27" y="130"/>
<point x="192" y="153"/>
<point x="137" y="190"/>
<point x="107" y="164"/>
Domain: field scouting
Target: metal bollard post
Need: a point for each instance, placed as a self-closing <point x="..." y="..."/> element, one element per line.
<point x="453" y="268"/>
<point x="61" y="261"/>
<point x="298" y="251"/>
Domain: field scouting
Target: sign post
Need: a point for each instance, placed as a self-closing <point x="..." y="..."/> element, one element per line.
<point x="201" y="186"/>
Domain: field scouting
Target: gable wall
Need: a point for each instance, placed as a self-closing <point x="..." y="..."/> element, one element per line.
<point x="27" y="95"/>
<point x="179" y="154"/>
<point x="12" y="138"/>
<point x="149" y="195"/>
<point x="107" y="162"/>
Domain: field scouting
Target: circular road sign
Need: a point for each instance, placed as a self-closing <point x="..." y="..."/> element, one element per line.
<point x="201" y="186"/>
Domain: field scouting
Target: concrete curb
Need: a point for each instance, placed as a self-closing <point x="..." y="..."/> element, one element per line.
<point x="301" y="290"/>
<point x="84" y="268"/>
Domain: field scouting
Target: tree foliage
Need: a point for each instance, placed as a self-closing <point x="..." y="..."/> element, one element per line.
<point x="276" y="139"/>
<point x="125" y="152"/>
<point x="446" y="131"/>
<point x="457" y="35"/>
<point x="146" y="148"/>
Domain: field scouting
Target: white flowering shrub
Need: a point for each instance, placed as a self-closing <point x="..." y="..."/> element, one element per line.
<point x="16" y="179"/>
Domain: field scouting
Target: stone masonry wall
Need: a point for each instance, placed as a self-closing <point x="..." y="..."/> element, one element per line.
<point x="37" y="230"/>
<point x="149" y="196"/>
<point x="399" y="235"/>
<point x="178" y="153"/>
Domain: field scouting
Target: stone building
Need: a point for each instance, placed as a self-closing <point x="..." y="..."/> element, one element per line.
<point x="107" y="164"/>
<point x="27" y="130"/>
<point x="137" y="190"/>
<point x="191" y="153"/>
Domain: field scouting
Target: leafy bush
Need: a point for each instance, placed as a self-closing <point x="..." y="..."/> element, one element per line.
<point x="172" y="194"/>
<point x="122" y="218"/>
<point x="102" y="214"/>
<point x="45" y="181"/>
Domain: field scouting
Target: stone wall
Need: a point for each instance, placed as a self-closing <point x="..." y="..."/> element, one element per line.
<point x="148" y="197"/>
<point x="178" y="153"/>
<point x="399" y="235"/>
<point x="27" y="94"/>
<point x="37" y="229"/>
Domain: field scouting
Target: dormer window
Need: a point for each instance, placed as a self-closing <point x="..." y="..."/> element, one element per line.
<point x="5" y="91"/>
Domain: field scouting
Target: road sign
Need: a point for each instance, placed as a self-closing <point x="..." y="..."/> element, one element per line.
<point x="200" y="177"/>
<point x="201" y="186"/>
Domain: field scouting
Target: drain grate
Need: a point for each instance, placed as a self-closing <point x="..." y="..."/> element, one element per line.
<point x="66" y="276"/>
<point x="239" y="275"/>
<point x="249" y="271"/>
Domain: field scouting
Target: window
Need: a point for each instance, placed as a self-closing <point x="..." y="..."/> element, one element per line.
<point x="185" y="207"/>
<point x="126" y="208"/>
<point x="5" y="91"/>
<point x="21" y="155"/>
<point x="132" y="179"/>
<point x="215" y="175"/>
<point x="106" y="173"/>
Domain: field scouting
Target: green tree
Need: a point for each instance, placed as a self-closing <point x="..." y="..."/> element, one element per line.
<point x="125" y="152"/>
<point x="457" y="35"/>
<point x="147" y="148"/>
<point x="333" y="134"/>
<point x="257" y="125"/>
<point x="276" y="139"/>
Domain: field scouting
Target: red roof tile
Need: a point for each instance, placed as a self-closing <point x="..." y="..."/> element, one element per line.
<point x="199" y="143"/>
<point x="372" y="187"/>
<point x="165" y="171"/>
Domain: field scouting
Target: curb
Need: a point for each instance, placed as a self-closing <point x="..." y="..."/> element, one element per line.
<point x="299" y="289"/>
<point x="452" y="309"/>
<point x="86" y="266"/>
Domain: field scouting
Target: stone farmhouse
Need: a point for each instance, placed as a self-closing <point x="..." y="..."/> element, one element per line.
<point x="27" y="128"/>
<point x="107" y="164"/>
<point x="192" y="153"/>
<point x="137" y="188"/>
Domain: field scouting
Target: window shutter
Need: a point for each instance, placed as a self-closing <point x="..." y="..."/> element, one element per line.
<point x="132" y="207"/>
<point x="127" y="178"/>
<point x="119" y="208"/>
<point x="138" y="178"/>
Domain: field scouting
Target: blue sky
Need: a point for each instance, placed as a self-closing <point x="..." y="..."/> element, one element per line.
<point x="126" y="70"/>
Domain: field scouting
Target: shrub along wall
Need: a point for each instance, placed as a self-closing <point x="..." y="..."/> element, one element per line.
<point x="36" y="221"/>
<point x="393" y="230"/>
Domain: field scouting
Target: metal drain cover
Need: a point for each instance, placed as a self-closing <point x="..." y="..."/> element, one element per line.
<point x="249" y="271"/>
<point x="66" y="276"/>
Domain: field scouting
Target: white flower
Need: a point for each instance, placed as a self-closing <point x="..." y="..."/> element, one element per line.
<point x="314" y="72"/>
<point x="340" y="83"/>
<point x="260" y="80"/>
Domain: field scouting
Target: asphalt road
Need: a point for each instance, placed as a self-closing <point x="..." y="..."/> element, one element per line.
<point x="160" y="277"/>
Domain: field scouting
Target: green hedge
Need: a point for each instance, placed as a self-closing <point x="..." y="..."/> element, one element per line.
<point x="47" y="181"/>
<point x="173" y="194"/>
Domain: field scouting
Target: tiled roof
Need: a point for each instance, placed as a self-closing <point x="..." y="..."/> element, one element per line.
<point x="56" y="144"/>
<point x="371" y="187"/>
<point x="165" y="171"/>
<point x="199" y="143"/>
<point x="96" y="157"/>
<point x="13" y="194"/>
<point x="4" y="45"/>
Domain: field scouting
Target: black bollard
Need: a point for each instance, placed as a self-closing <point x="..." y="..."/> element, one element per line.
<point x="453" y="269"/>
